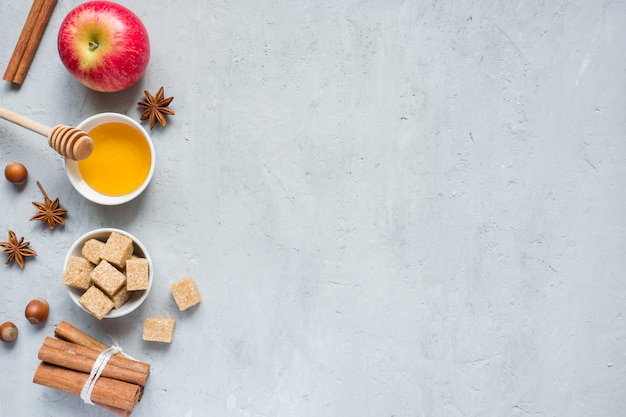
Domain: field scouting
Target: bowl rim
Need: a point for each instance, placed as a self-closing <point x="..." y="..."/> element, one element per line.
<point x="79" y="184"/>
<point x="138" y="298"/>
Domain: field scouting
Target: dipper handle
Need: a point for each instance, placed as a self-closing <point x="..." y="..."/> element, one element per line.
<point x="24" y="121"/>
<point x="70" y="142"/>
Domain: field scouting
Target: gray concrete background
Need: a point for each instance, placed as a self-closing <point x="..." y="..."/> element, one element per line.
<point x="391" y="208"/>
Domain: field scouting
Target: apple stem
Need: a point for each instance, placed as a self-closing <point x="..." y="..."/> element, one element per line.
<point x="93" y="45"/>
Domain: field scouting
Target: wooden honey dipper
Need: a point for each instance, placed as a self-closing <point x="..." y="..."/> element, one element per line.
<point x="70" y="142"/>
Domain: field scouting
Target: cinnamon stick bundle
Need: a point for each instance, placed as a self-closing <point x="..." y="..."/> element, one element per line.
<point x="29" y="40"/>
<point x="27" y="29"/>
<point x="68" y="361"/>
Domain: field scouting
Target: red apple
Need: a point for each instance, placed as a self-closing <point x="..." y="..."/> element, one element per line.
<point x="104" y="45"/>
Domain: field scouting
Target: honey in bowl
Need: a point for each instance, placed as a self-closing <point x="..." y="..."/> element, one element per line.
<point x="120" y="161"/>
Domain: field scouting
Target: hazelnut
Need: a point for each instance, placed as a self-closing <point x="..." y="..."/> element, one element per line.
<point x="8" y="332"/>
<point x="16" y="173"/>
<point x="37" y="311"/>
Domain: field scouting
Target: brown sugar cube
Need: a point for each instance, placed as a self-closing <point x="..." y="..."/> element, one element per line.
<point x="107" y="278"/>
<point x="117" y="249"/>
<point x="158" y="329"/>
<point x="120" y="297"/>
<point x="92" y="250"/>
<point x="96" y="302"/>
<point x="137" y="274"/>
<point x="77" y="274"/>
<point x="185" y="293"/>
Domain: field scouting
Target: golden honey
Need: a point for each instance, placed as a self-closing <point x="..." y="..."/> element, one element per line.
<point x="120" y="161"/>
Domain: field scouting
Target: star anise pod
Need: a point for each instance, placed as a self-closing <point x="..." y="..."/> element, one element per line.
<point x="155" y="108"/>
<point x="16" y="249"/>
<point x="49" y="211"/>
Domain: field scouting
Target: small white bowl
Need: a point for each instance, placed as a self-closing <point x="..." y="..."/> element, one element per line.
<point x="77" y="180"/>
<point x="138" y="297"/>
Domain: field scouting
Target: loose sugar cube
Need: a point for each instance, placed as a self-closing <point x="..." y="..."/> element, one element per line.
<point x="117" y="249"/>
<point x="137" y="274"/>
<point x="96" y="302"/>
<point x="78" y="273"/>
<point x="92" y="250"/>
<point x="107" y="278"/>
<point x="185" y="293"/>
<point x="159" y="329"/>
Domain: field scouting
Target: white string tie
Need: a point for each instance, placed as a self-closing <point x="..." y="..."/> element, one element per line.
<point x="96" y="371"/>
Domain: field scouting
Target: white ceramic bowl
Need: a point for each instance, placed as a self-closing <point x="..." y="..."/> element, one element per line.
<point x="77" y="180"/>
<point x="138" y="297"/>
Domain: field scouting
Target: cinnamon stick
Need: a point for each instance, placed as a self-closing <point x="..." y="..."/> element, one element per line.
<point x="106" y="391"/>
<point x="20" y="47"/>
<point x="120" y="361"/>
<point x="80" y="358"/>
<point x="31" y="43"/>
<point x="34" y="41"/>
<point x="66" y="331"/>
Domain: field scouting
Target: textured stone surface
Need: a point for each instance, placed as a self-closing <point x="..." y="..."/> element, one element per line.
<point x="398" y="208"/>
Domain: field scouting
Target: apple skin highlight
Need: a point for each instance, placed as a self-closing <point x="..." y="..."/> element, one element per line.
<point x="104" y="45"/>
